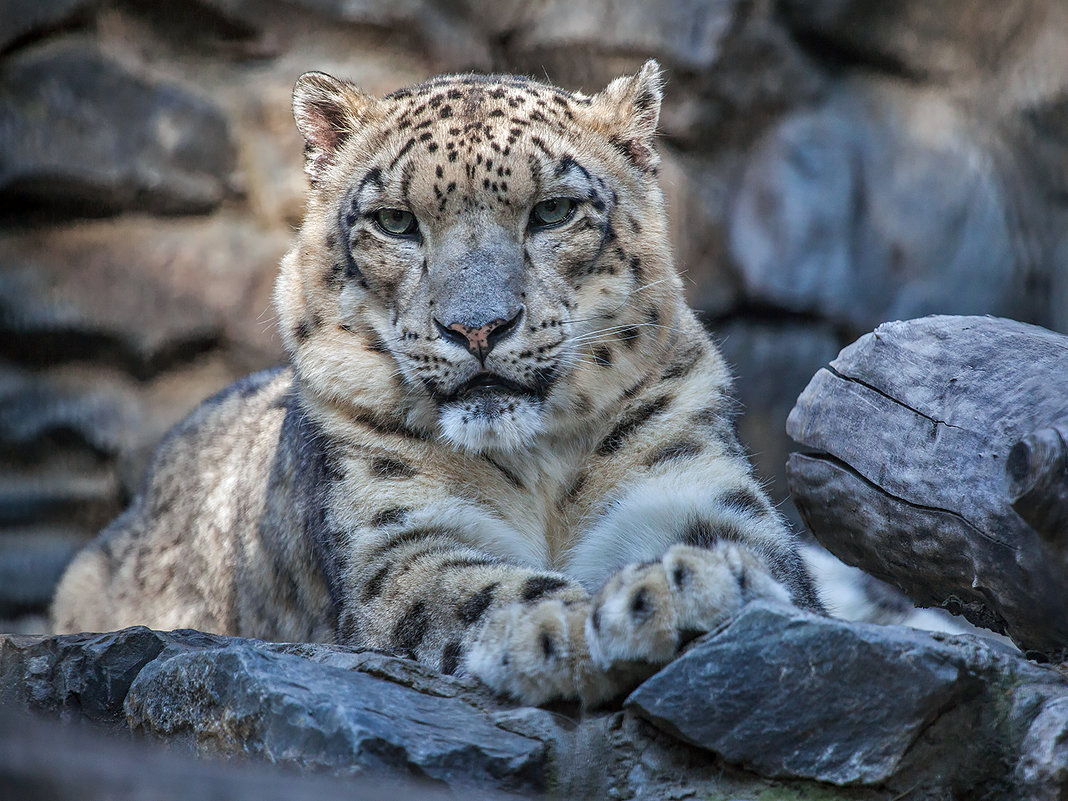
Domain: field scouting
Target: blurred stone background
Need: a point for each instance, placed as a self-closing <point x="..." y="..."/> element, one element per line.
<point x="829" y="164"/>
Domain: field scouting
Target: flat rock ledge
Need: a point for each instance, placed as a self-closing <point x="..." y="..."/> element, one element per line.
<point x="778" y="704"/>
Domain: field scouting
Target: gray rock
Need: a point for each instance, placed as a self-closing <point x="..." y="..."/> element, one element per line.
<point x="245" y="699"/>
<point x="31" y="563"/>
<point x="41" y="760"/>
<point x="907" y="435"/>
<point x="1042" y="771"/>
<point x="80" y="134"/>
<point x="186" y="285"/>
<point x="81" y="675"/>
<point x="788" y="693"/>
<point x="864" y="211"/>
<point x="25" y="19"/>
<point x="938" y="41"/>
<point x="444" y="33"/>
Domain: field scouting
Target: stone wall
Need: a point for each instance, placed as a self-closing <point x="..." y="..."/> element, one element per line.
<point x="830" y="164"/>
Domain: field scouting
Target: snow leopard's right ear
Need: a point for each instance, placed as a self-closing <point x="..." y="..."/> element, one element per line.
<point x="328" y="112"/>
<point x="628" y="110"/>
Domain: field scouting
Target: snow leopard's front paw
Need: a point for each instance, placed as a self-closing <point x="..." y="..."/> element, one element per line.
<point x="645" y="612"/>
<point x="536" y="652"/>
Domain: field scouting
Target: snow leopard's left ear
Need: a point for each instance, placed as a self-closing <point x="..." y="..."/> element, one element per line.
<point x="628" y="109"/>
<point x="328" y="111"/>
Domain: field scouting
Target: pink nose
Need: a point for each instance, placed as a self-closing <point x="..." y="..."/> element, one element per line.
<point x="479" y="341"/>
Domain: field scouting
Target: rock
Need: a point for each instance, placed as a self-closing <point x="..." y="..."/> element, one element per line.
<point x="698" y="193"/>
<point x="186" y="286"/>
<point x="907" y="437"/>
<point x="788" y="693"/>
<point x="61" y="150"/>
<point x="62" y="490"/>
<point x="246" y="700"/>
<point x="80" y="675"/>
<point x="935" y="41"/>
<point x="444" y="34"/>
<point x="1042" y="771"/>
<point x="39" y="412"/>
<point x="323" y="709"/>
<point x="24" y="19"/>
<point x="31" y="563"/>
<point x="883" y="204"/>
<point x="41" y="760"/>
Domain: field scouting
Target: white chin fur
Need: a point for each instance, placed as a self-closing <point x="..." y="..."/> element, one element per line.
<point x="501" y="424"/>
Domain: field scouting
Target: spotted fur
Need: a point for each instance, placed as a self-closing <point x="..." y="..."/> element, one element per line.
<point x="504" y="446"/>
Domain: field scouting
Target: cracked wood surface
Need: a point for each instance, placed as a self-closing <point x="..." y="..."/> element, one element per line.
<point x="907" y="435"/>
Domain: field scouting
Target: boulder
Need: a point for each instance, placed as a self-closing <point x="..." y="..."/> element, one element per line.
<point x="140" y="294"/>
<point x="25" y="19"/>
<point x="244" y="699"/>
<point x="940" y="40"/>
<point x="882" y="204"/>
<point x="80" y="134"/>
<point x="790" y="694"/>
<point x="908" y="435"/>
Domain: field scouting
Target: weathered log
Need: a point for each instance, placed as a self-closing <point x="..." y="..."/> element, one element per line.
<point x="1038" y="481"/>
<point x="936" y="461"/>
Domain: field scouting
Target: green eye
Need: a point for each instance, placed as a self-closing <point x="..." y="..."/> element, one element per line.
<point x="552" y="211"/>
<point x="396" y="222"/>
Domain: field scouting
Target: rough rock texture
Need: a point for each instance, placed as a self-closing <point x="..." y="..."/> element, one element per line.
<point x="828" y="165"/>
<point x="288" y="708"/>
<point x="779" y="704"/>
<point x="63" y="146"/>
<point x="907" y="435"/>
<point x="787" y="693"/>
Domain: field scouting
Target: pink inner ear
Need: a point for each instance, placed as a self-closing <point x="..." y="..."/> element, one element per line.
<point x="323" y="133"/>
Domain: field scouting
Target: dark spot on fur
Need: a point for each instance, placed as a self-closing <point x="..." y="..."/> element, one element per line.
<point x="577" y="484"/>
<point x="374" y="586"/>
<point x="745" y="500"/>
<point x="603" y="356"/>
<point x="388" y="467"/>
<point x="640" y="608"/>
<point x="466" y="561"/>
<point x="346" y="628"/>
<point x="410" y="537"/>
<point x="680" y="576"/>
<point x="301" y="331"/>
<point x="513" y="479"/>
<point x="548" y="647"/>
<point x="471" y="610"/>
<point x="629" y="335"/>
<point x="700" y="534"/>
<point x="389" y="517"/>
<point x="389" y="427"/>
<point x="684" y="363"/>
<point x="595" y="620"/>
<point x="679" y="449"/>
<point x="401" y="153"/>
<point x="631" y="421"/>
<point x="450" y="657"/>
<point x="410" y="631"/>
<point x="539" y="586"/>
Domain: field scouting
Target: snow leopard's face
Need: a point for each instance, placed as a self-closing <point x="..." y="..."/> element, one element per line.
<point x="500" y="239"/>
